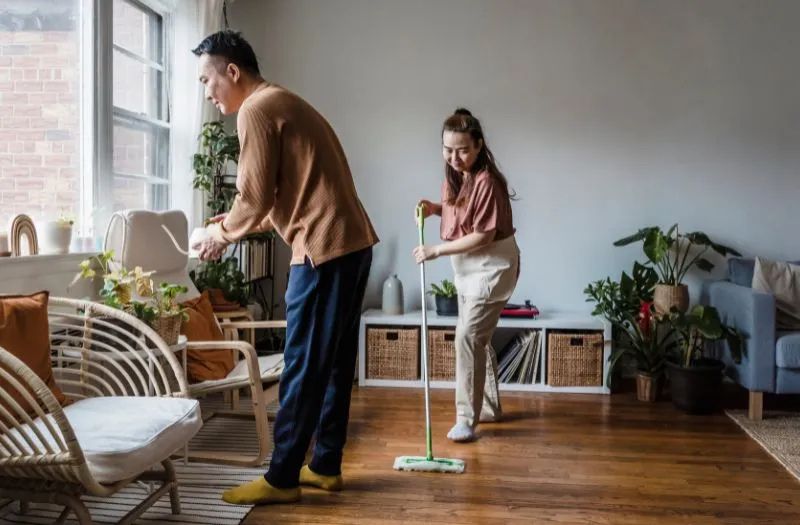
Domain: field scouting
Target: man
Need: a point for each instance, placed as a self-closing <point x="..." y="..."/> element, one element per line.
<point x="293" y="175"/>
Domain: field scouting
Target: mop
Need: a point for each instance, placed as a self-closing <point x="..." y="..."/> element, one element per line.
<point x="426" y="463"/>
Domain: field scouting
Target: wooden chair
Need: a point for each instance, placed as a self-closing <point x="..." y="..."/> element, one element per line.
<point x="116" y="369"/>
<point x="138" y="238"/>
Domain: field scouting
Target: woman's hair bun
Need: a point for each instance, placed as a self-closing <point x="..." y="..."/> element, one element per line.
<point x="463" y="111"/>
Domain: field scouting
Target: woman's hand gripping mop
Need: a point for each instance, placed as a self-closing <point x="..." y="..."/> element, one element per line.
<point x="426" y="463"/>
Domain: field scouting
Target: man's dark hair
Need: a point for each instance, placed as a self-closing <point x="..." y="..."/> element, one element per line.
<point x="231" y="46"/>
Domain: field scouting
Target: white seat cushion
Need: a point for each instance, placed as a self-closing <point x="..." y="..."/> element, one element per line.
<point x="124" y="436"/>
<point x="270" y="367"/>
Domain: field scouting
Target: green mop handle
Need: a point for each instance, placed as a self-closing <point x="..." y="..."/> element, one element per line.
<point x="420" y="212"/>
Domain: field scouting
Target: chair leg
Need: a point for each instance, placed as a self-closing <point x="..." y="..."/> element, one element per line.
<point x="170" y="478"/>
<point x="74" y="504"/>
<point x="755" y="410"/>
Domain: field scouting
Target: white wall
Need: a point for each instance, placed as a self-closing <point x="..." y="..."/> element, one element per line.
<point x="605" y="116"/>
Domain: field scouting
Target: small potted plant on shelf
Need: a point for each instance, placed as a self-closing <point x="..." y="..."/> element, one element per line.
<point x="133" y="291"/>
<point x="446" y="297"/>
<point x="695" y="379"/>
<point x="225" y="283"/>
<point x="673" y="254"/>
<point x="56" y="235"/>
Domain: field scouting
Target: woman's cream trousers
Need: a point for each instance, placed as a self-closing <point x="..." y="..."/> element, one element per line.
<point x="485" y="280"/>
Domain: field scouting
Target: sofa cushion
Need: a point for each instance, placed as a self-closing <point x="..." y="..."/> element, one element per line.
<point x="124" y="436"/>
<point x="787" y="350"/>
<point x="205" y="365"/>
<point x="782" y="280"/>
<point x="741" y="269"/>
<point x="24" y="332"/>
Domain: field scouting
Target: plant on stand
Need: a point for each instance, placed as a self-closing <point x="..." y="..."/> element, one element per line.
<point x="218" y="149"/>
<point x="673" y="254"/>
<point x="695" y="379"/>
<point x="446" y="297"/>
<point x="225" y="283"/>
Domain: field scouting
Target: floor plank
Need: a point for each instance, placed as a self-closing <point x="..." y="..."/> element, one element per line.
<point x="557" y="458"/>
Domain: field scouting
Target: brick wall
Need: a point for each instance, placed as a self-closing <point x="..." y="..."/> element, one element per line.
<point x="39" y="124"/>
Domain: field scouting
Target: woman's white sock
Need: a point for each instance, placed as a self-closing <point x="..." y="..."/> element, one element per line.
<point x="461" y="432"/>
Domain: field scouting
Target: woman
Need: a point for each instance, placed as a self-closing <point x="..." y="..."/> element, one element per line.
<point x="478" y="233"/>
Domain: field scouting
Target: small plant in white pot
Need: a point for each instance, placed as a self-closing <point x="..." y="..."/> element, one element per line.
<point x="55" y="236"/>
<point x="673" y="254"/>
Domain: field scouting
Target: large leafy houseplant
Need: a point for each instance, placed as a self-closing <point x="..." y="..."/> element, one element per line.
<point x="222" y="278"/>
<point x="673" y="253"/>
<point x="217" y="150"/>
<point x="619" y="301"/>
<point x="695" y="380"/>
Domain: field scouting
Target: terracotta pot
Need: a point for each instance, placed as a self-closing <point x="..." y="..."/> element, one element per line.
<point x="666" y="296"/>
<point x="218" y="301"/>
<point x="647" y="387"/>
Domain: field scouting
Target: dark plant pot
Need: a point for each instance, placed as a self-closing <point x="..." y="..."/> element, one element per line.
<point x="696" y="390"/>
<point x="218" y="302"/>
<point x="447" y="306"/>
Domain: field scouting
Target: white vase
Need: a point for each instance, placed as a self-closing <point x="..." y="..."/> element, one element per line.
<point x="392" y="303"/>
<point x="54" y="238"/>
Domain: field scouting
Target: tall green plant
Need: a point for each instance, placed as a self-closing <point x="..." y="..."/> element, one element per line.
<point x="673" y="253"/>
<point x="619" y="301"/>
<point x="700" y="325"/>
<point x="217" y="149"/>
<point x="224" y="275"/>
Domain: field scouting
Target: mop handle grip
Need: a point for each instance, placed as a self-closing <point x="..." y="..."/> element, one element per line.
<point x="420" y="212"/>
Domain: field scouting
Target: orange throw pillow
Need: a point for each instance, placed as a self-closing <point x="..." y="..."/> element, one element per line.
<point x="24" y="331"/>
<point x="205" y="365"/>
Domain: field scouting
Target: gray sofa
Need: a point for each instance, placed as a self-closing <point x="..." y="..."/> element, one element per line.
<point x="771" y="360"/>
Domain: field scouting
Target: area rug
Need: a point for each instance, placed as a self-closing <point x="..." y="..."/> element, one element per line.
<point x="778" y="433"/>
<point x="200" y="484"/>
<point x="200" y="503"/>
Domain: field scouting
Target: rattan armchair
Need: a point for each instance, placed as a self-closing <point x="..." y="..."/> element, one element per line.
<point x="131" y="412"/>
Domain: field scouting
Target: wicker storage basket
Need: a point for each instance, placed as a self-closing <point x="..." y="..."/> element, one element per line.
<point x="442" y="350"/>
<point x="392" y="352"/>
<point x="169" y="328"/>
<point x="574" y="358"/>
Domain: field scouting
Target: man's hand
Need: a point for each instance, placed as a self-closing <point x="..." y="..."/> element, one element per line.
<point x="211" y="250"/>
<point x="216" y="218"/>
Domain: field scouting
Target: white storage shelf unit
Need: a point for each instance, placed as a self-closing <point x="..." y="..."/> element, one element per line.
<point x="505" y="329"/>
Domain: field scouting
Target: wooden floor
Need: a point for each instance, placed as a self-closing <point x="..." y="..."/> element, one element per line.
<point x="559" y="458"/>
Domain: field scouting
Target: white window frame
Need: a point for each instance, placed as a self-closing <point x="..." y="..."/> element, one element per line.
<point x="99" y="110"/>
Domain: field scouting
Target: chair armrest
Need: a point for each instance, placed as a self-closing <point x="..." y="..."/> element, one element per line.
<point x="752" y="313"/>
<point x="244" y="348"/>
<point x="240" y="325"/>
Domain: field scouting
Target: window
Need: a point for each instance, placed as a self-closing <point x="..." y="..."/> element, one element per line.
<point x="140" y="124"/>
<point x="84" y="119"/>
<point x="40" y="109"/>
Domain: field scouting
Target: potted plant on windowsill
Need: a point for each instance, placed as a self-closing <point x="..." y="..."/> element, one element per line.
<point x="225" y="283"/>
<point x="446" y="297"/>
<point x="695" y="379"/>
<point x="671" y="254"/>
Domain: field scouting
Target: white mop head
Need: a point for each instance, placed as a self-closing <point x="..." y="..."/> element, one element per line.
<point x="422" y="464"/>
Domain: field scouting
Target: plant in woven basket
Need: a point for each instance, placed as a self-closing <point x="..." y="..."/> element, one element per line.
<point x="670" y="252"/>
<point x="133" y="291"/>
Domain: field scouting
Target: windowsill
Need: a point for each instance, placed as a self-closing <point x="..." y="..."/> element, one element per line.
<point x="27" y="259"/>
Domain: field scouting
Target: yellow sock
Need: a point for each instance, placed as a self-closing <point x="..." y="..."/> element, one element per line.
<point x="309" y="477"/>
<point x="258" y="492"/>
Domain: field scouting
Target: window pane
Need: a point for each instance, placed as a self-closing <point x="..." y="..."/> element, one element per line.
<point x="138" y="30"/>
<point x="40" y="101"/>
<point x="139" y="194"/>
<point x="137" y="87"/>
<point x="140" y="149"/>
